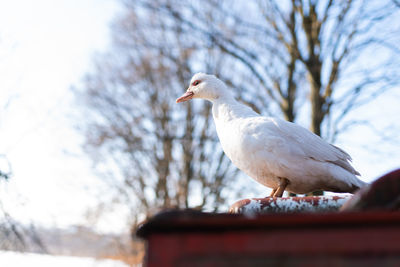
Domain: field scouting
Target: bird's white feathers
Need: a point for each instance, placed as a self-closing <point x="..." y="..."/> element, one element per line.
<point x="268" y="148"/>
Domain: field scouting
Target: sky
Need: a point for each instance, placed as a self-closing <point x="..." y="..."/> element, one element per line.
<point x="47" y="46"/>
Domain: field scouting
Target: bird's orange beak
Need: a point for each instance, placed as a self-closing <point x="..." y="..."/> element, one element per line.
<point x="185" y="97"/>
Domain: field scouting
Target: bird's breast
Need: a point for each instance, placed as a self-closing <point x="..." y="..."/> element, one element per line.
<point x="246" y="150"/>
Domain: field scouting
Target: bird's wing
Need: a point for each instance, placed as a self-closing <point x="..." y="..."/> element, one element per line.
<point x="307" y="144"/>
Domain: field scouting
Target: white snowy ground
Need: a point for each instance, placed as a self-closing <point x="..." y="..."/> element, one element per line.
<point x="16" y="259"/>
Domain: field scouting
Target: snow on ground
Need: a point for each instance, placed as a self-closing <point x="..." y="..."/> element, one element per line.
<point x="17" y="259"/>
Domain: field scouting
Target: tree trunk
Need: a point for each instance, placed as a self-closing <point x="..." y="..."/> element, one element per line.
<point x="317" y="102"/>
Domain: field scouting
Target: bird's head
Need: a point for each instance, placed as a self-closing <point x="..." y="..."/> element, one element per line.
<point x="204" y="86"/>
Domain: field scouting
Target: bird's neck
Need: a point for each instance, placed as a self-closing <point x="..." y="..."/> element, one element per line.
<point x="227" y="108"/>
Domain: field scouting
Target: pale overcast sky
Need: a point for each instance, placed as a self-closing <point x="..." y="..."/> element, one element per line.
<point x="45" y="47"/>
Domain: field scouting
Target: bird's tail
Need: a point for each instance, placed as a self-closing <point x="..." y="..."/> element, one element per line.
<point x="357" y="184"/>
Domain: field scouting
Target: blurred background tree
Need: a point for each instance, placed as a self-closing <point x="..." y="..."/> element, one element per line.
<point x="312" y="62"/>
<point x="155" y="153"/>
<point x="14" y="235"/>
<point x="11" y="233"/>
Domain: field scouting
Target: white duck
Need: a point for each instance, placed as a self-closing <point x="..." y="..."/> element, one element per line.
<point x="276" y="153"/>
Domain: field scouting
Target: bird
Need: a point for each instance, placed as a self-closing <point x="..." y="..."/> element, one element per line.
<point x="276" y="153"/>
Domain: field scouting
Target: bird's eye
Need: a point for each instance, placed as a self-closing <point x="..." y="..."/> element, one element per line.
<point x="196" y="82"/>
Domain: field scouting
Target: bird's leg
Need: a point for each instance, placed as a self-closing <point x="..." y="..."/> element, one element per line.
<point x="273" y="192"/>
<point x="283" y="182"/>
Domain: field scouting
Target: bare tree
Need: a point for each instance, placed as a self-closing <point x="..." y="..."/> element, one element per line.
<point x="156" y="154"/>
<point x="305" y="57"/>
<point x="283" y="42"/>
<point x="303" y="60"/>
<point x="13" y="235"/>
